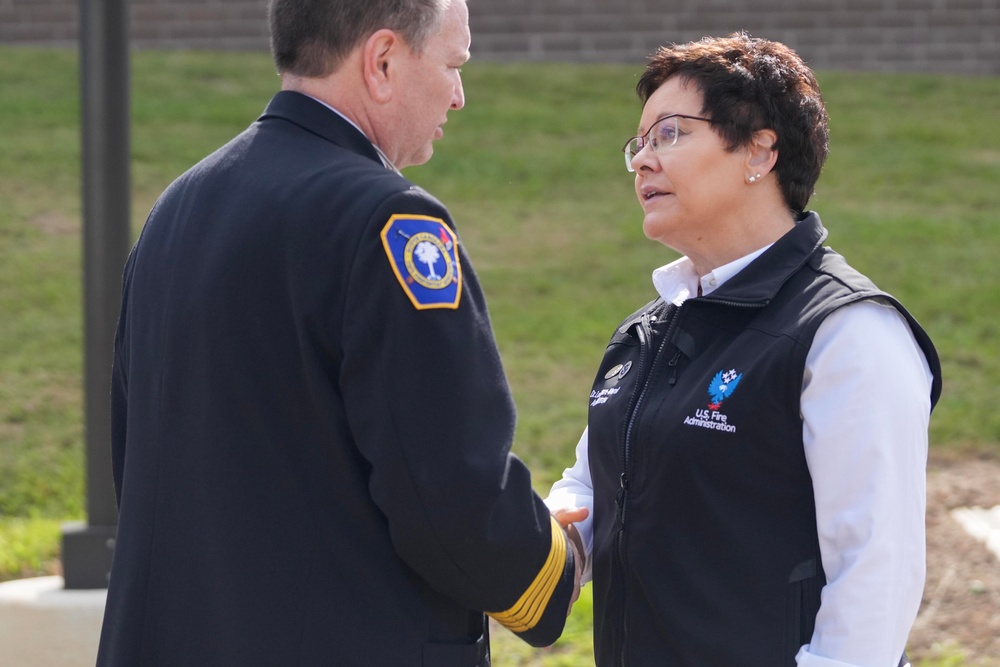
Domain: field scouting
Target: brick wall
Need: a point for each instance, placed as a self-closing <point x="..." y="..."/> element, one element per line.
<point x="155" y="24"/>
<point x="889" y="35"/>
<point x="961" y="36"/>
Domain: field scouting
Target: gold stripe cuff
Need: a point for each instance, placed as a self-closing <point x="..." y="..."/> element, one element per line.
<point x="528" y="610"/>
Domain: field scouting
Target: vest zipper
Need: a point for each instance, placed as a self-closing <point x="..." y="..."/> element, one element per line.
<point x="644" y="333"/>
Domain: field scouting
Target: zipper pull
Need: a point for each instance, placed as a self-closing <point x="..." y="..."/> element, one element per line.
<point x="620" y="496"/>
<point x="673" y="365"/>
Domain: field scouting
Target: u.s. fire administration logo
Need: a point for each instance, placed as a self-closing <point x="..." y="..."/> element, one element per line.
<point x="721" y="387"/>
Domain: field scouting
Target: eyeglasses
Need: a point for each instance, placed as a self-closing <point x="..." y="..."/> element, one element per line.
<point x="662" y="134"/>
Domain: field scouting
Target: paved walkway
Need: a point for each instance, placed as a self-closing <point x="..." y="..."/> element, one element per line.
<point x="44" y="625"/>
<point x="983" y="524"/>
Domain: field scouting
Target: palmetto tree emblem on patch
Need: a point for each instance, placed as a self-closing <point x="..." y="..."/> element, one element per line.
<point x="722" y="387"/>
<point x="427" y="253"/>
<point x="429" y="250"/>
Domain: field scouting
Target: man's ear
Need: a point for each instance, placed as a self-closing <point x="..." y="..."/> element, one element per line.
<point x="378" y="56"/>
<point x="762" y="154"/>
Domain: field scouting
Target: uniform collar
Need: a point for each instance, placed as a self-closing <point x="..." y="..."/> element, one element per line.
<point x="316" y="117"/>
<point x="386" y="162"/>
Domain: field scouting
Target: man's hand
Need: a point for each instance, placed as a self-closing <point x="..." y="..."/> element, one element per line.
<point x="566" y="519"/>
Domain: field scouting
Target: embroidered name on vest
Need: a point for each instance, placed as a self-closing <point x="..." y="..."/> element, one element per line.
<point x="602" y="396"/>
<point x="614" y="374"/>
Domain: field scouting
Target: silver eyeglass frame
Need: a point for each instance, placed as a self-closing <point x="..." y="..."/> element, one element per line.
<point x="642" y="139"/>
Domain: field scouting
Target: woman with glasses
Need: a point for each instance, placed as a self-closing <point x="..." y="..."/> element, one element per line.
<point x="754" y="459"/>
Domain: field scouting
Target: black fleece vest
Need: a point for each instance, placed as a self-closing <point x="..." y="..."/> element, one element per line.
<point x="706" y="548"/>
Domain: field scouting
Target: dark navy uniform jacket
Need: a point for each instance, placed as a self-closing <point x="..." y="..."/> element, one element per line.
<point x="311" y="424"/>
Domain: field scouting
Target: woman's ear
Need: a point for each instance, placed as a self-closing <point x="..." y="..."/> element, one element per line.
<point x="378" y="63"/>
<point x="761" y="154"/>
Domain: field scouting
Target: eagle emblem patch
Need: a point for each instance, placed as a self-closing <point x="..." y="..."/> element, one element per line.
<point x="722" y="387"/>
<point x="423" y="253"/>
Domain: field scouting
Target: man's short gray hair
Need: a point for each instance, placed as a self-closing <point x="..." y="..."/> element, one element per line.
<point x="311" y="38"/>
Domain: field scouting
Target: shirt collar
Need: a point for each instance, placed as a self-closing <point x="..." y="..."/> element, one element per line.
<point x="386" y="162"/>
<point x="677" y="282"/>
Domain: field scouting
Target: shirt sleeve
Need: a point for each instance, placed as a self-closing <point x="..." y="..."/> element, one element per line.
<point x="865" y="410"/>
<point x="576" y="489"/>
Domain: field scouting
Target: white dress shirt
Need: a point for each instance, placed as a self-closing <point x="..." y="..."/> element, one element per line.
<point x="865" y="411"/>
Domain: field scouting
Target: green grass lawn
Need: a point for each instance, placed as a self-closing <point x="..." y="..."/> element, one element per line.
<point x="532" y="172"/>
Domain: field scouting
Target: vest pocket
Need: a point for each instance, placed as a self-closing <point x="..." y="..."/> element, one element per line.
<point x="802" y="603"/>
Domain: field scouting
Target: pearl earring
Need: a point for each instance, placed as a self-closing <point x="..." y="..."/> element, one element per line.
<point x="753" y="179"/>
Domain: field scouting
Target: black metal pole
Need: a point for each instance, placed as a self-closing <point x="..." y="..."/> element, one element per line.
<point x="104" y="69"/>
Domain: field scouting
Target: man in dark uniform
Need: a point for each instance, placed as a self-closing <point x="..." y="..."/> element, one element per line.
<point x="311" y="425"/>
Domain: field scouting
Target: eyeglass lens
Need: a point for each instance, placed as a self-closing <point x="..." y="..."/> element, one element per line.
<point x="662" y="134"/>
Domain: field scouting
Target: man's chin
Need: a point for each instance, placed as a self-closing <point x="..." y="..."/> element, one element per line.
<point x="420" y="157"/>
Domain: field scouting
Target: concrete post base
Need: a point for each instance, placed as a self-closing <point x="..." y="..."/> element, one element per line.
<point x="44" y="625"/>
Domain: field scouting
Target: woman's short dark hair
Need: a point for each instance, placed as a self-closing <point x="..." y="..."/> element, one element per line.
<point x="750" y="84"/>
<point x="313" y="37"/>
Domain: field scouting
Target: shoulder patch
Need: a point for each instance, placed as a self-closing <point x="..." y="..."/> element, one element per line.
<point x="423" y="253"/>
